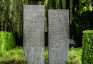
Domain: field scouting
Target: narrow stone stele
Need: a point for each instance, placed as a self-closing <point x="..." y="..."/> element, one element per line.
<point x="33" y="33"/>
<point x="58" y="22"/>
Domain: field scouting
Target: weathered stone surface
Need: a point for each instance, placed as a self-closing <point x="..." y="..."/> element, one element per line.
<point x="58" y="36"/>
<point x="34" y="33"/>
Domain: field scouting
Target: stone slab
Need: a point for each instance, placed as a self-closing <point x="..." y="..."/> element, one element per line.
<point x="33" y="33"/>
<point x="58" y="28"/>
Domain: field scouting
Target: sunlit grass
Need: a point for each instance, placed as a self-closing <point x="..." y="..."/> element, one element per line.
<point x="16" y="56"/>
<point x="74" y="56"/>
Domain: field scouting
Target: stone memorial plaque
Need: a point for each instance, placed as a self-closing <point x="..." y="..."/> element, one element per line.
<point x="34" y="16"/>
<point x="58" y="21"/>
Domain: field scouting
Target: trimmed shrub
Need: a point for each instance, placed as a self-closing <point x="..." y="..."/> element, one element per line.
<point x="87" y="41"/>
<point x="7" y="40"/>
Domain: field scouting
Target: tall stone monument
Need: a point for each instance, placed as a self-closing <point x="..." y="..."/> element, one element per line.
<point x="34" y="16"/>
<point x="58" y="28"/>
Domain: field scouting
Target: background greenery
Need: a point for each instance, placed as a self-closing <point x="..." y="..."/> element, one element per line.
<point x="11" y="16"/>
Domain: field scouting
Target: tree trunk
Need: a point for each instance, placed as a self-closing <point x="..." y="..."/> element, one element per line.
<point x="79" y="5"/>
<point x="46" y="15"/>
<point x="71" y="11"/>
<point x="55" y="4"/>
<point x="63" y="4"/>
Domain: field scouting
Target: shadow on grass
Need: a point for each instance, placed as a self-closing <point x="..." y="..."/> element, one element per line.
<point x="13" y="62"/>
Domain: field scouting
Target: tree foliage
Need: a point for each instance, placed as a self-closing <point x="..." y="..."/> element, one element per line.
<point x="11" y="15"/>
<point x="16" y="14"/>
<point x="3" y="14"/>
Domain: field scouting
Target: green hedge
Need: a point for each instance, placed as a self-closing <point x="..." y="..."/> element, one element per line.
<point x="87" y="41"/>
<point x="7" y="40"/>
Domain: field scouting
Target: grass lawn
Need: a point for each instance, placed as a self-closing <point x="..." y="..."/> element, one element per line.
<point x="74" y="56"/>
<point x="16" y="56"/>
